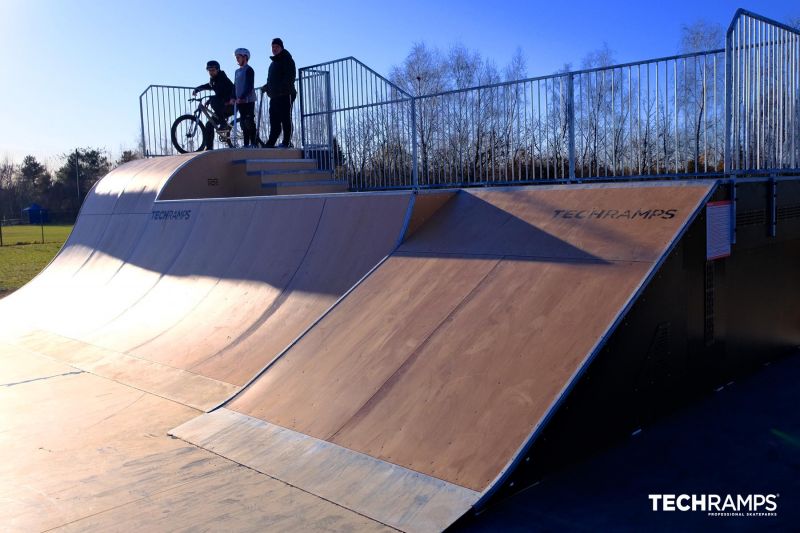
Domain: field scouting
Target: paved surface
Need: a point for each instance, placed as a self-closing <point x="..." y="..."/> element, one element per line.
<point x="743" y="439"/>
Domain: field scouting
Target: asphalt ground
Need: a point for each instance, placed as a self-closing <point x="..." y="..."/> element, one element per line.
<point x="743" y="439"/>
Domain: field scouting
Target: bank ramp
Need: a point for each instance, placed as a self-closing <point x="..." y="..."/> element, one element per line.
<point x="412" y="399"/>
<point x="188" y="298"/>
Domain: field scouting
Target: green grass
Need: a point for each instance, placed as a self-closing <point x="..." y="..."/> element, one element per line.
<point x="13" y="235"/>
<point x="21" y="259"/>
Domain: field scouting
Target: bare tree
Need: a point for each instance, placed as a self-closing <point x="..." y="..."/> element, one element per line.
<point x="701" y="77"/>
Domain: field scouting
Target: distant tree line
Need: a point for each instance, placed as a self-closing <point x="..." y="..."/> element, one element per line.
<point x="60" y="192"/>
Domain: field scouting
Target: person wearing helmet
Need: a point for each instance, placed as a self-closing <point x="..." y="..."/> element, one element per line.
<point x="281" y="91"/>
<point x="222" y="86"/>
<point x="245" y="96"/>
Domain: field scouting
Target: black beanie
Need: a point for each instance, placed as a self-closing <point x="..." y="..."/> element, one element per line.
<point x="277" y="41"/>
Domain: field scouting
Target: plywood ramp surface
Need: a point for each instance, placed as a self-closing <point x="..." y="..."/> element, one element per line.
<point x="382" y="491"/>
<point x="213" y="287"/>
<point x="353" y="234"/>
<point x="451" y="354"/>
<point x="87" y="454"/>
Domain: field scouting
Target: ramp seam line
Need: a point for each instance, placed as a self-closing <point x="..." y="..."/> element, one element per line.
<point x="283" y="482"/>
<point x="269" y="311"/>
<point x="315" y="322"/>
<point x="199" y="301"/>
<point x="43" y="378"/>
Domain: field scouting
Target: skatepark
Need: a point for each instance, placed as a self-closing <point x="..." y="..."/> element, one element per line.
<point x="246" y="339"/>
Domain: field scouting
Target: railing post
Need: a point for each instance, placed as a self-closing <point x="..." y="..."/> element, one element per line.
<point x="302" y="112"/>
<point x="141" y="120"/>
<point x="728" y="97"/>
<point x="571" y="124"/>
<point x="414" y="165"/>
<point x="329" y="98"/>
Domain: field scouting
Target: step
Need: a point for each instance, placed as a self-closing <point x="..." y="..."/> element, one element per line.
<point x="291" y="176"/>
<point x="268" y="153"/>
<point x="308" y="187"/>
<point x="271" y="165"/>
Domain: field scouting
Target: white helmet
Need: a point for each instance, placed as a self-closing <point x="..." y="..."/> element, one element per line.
<point x="242" y="52"/>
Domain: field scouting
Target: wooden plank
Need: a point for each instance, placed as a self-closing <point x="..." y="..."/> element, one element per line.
<point x="274" y="243"/>
<point x="470" y="396"/>
<point x="401" y="498"/>
<point x="364" y="341"/>
<point x="91" y="454"/>
<point x="168" y="382"/>
<point x="231" y="499"/>
<point x="19" y="365"/>
<point x="354" y="234"/>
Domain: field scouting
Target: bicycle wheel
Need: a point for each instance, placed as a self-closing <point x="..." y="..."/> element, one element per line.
<point x="188" y="134"/>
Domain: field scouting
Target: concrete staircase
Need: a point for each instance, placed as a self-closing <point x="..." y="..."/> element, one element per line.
<point x="284" y="172"/>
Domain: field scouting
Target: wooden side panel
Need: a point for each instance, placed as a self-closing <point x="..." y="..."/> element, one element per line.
<point x="213" y="175"/>
<point x="401" y="498"/>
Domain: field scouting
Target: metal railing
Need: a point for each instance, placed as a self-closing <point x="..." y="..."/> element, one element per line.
<point x="160" y="105"/>
<point x="763" y="82"/>
<point x="651" y="118"/>
<point x="718" y="112"/>
<point x="360" y="121"/>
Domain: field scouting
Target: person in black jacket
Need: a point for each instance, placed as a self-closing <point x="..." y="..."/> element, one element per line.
<point x="281" y="92"/>
<point x="222" y="86"/>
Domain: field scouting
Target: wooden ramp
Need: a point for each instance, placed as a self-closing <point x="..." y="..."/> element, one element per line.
<point x="189" y="298"/>
<point x="416" y="394"/>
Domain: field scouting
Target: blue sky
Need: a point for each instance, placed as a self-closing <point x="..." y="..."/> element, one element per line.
<point x="74" y="69"/>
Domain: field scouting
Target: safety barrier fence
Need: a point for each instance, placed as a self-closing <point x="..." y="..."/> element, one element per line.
<point x="731" y="111"/>
<point x="160" y="105"/>
<point x="764" y="87"/>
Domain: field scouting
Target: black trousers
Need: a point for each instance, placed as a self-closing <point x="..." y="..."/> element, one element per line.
<point x="280" y="118"/>
<point x="220" y="108"/>
<point x="247" y="114"/>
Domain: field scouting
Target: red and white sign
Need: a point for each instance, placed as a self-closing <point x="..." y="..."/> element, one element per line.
<point x="718" y="230"/>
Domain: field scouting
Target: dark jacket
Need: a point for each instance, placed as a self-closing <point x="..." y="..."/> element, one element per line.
<point x="281" y="75"/>
<point x="221" y="85"/>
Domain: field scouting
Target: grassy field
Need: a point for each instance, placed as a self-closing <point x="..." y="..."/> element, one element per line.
<point x="23" y="255"/>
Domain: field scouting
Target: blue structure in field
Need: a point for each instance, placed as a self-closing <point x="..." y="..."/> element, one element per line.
<point x="35" y="214"/>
